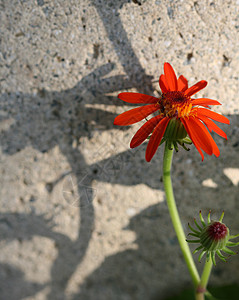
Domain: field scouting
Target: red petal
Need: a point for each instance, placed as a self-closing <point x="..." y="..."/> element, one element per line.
<point x="192" y="137"/>
<point x="205" y="102"/>
<point x="156" y="138"/>
<point x="212" y="126"/>
<point x="215" y="149"/>
<point x="135" y="115"/>
<point x="182" y="83"/>
<point x="201" y="137"/>
<point x="204" y="139"/>
<point x="163" y="84"/>
<point x="144" y="132"/>
<point x="212" y="115"/>
<point x="195" y="88"/>
<point x="137" y="98"/>
<point x="170" y="77"/>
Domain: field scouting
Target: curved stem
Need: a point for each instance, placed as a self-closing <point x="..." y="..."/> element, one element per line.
<point x="167" y="162"/>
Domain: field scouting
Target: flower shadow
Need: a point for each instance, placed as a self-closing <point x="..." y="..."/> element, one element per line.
<point x="140" y="272"/>
<point x="50" y="119"/>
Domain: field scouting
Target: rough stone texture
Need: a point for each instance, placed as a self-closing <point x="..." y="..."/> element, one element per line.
<point x="82" y="216"/>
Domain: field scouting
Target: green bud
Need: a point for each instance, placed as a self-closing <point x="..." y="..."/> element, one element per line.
<point x="175" y="130"/>
<point x="175" y="134"/>
<point x="213" y="238"/>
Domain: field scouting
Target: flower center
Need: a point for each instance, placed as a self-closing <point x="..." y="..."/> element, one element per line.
<point x="217" y="231"/>
<point x="175" y="104"/>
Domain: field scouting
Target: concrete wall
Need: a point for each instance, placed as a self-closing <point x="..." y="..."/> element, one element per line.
<point x="82" y="216"/>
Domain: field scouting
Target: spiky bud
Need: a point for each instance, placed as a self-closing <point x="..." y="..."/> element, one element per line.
<point x="214" y="237"/>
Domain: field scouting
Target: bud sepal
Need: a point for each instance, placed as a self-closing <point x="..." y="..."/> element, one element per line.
<point x="214" y="237"/>
<point x="176" y="134"/>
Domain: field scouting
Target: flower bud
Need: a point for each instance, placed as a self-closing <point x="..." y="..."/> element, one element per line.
<point x="213" y="238"/>
<point x="175" y="130"/>
<point x="176" y="133"/>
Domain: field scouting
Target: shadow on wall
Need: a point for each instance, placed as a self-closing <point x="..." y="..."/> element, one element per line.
<point x="124" y="273"/>
<point x="17" y="287"/>
<point x="49" y="119"/>
<point x="61" y="118"/>
<point x="138" y="274"/>
<point x="133" y="273"/>
<point x="120" y="41"/>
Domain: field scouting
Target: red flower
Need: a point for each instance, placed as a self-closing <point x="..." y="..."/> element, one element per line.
<point x="174" y="104"/>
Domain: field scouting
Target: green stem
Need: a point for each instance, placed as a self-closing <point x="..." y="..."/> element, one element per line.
<point x="202" y="287"/>
<point x="206" y="273"/>
<point x="200" y="296"/>
<point x="167" y="162"/>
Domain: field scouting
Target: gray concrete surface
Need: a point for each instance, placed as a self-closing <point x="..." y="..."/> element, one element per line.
<point x="82" y="216"/>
